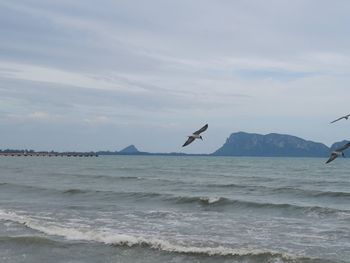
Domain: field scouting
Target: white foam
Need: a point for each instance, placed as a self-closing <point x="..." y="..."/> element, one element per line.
<point x="210" y="200"/>
<point x="109" y="237"/>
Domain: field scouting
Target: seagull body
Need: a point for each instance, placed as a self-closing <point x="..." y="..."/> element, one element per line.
<point x="338" y="152"/>
<point x="344" y="117"/>
<point x="195" y="135"/>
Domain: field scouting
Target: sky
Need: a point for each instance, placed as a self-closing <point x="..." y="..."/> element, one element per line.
<point x="101" y="75"/>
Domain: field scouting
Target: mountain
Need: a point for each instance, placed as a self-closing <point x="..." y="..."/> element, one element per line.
<point x="131" y="149"/>
<point x="273" y="144"/>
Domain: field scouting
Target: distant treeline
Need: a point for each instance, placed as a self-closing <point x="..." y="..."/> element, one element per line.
<point x="16" y="151"/>
<point x="32" y="151"/>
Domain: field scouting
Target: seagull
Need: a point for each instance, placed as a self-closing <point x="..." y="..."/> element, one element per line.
<point x="195" y="135"/>
<point x="338" y="152"/>
<point x="344" y="117"/>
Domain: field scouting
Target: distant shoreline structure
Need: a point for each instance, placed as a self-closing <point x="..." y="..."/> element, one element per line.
<point x="46" y="154"/>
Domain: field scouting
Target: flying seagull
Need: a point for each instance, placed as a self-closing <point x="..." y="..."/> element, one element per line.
<point x="344" y="117"/>
<point x="338" y="152"/>
<point x="195" y="135"/>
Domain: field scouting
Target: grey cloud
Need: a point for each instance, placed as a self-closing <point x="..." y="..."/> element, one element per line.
<point x="175" y="61"/>
<point x="87" y="36"/>
<point x="64" y="98"/>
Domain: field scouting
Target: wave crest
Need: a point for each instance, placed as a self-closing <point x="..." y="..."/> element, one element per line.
<point x="117" y="239"/>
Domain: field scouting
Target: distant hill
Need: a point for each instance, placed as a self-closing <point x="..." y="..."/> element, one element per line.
<point x="131" y="149"/>
<point x="273" y="144"/>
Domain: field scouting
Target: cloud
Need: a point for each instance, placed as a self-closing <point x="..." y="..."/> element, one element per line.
<point x="97" y="120"/>
<point x="83" y="67"/>
<point x="39" y="115"/>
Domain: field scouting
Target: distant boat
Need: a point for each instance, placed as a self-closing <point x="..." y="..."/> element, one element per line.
<point x="344" y="117"/>
<point x="338" y="152"/>
<point x="195" y="135"/>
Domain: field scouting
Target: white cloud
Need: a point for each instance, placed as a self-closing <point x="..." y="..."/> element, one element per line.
<point x="32" y="117"/>
<point x="62" y="77"/>
<point x="39" y="115"/>
<point x="162" y="64"/>
<point x="96" y="120"/>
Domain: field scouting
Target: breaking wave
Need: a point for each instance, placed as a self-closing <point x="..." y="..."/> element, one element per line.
<point x="116" y="239"/>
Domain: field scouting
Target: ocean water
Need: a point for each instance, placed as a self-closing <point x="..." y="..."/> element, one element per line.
<point x="174" y="209"/>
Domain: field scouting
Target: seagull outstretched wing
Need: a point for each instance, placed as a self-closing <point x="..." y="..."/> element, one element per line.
<point x="204" y="128"/>
<point x="189" y="140"/>
<point x="344" y="117"/>
<point x="332" y="157"/>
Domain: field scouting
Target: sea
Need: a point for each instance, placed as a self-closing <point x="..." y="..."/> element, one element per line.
<point x="156" y="209"/>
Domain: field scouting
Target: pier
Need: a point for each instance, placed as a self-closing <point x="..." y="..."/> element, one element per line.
<point x="47" y="154"/>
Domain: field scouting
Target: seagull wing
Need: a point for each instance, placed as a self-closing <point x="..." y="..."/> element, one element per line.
<point x="344" y="147"/>
<point x="189" y="140"/>
<point x="344" y="117"/>
<point x="204" y="128"/>
<point x="337" y="119"/>
<point x="332" y="157"/>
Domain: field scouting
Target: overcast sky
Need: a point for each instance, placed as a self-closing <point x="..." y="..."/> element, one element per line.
<point x="101" y="75"/>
